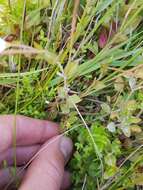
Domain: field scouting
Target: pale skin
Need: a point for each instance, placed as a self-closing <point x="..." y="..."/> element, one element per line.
<point x="46" y="171"/>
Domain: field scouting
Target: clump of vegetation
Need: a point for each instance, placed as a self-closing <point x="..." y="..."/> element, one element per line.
<point x="80" y="63"/>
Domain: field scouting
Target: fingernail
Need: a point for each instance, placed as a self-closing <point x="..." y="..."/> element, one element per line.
<point x="66" y="147"/>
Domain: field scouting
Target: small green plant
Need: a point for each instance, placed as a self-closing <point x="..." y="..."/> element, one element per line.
<point x="86" y="162"/>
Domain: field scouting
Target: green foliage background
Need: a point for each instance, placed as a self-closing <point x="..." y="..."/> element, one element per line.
<point x="89" y="80"/>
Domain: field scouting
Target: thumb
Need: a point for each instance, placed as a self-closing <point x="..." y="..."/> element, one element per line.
<point x="47" y="170"/>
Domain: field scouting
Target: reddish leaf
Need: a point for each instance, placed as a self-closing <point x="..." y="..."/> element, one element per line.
<point x="103" y="37"/>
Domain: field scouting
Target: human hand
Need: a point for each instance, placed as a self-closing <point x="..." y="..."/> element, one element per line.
<point x="47" y="169"/>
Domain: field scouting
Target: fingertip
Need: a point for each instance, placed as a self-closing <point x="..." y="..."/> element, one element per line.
<point x="28" y="130"/>
<point x="55" y="126"/>
<point x="50" y="129"/>
<point x="66" y="181"/>
<point x="49" y="165"/>
<point x="66" y="147"/>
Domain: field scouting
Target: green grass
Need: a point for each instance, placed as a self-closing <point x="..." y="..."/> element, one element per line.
<point x="80" y="65"/>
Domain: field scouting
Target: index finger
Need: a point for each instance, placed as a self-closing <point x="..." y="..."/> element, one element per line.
<point x="28" y="131"/>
